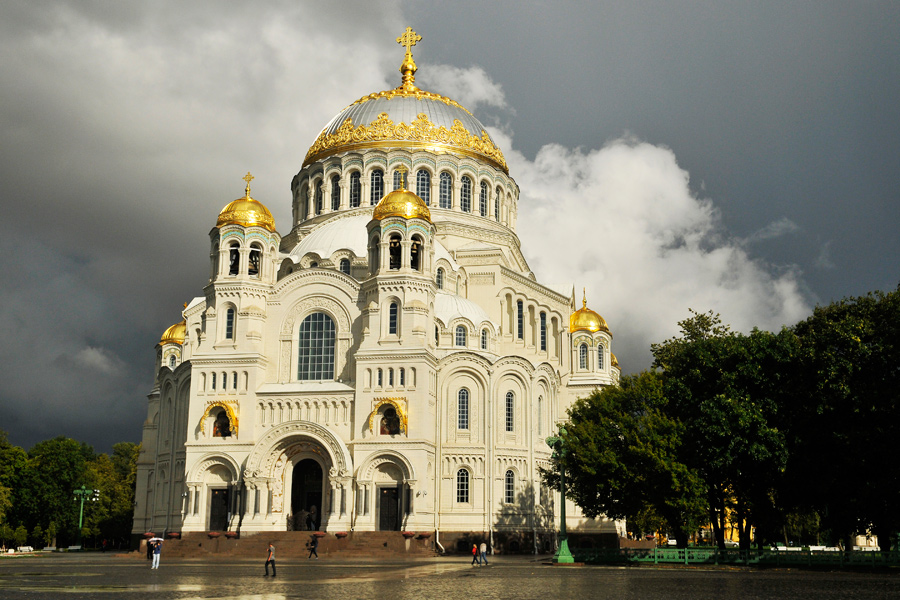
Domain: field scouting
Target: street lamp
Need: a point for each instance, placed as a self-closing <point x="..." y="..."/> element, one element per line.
<point x="559" y="452"/>
<point x="84" y="494"/>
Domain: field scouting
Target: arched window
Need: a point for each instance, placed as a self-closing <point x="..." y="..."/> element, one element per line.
<point x="520" y="320"/>
<point x="415" y="254"/>
<point x="345" y="266"/>
<point x="540" y="415"/>
<point x="222" y="426"/>
<point x="445" y="192"/>
<point x="172" y="360"/>
<point x="483" y="199"/>
<point x="394" y="250"/>
<point x="377" y="187"/>
<point x="465" y="194"/>
<point x="390" y="377"/>
<point x="510" y="411"/>
<point x="316" y="348"/>
<point x="374" y="249"/>
<point x="229" y="324"/>
<point x="402" y="377"/>
<point x="437" y="336"/>
<point x="582" y="356"/>
<point x="234" y="381"/>
<point x="319" y="198"/>
<point x="509" y="492"/>
<point x="253" y="262"/>
<point x="392" y="319"/>
<point x="224" y="381"/>
<point x="460" y="336"/>
<point x="462" y="486"/>
<point x="599" y="356"/>
<point x="423" y="186"/>
<point x="497" y="204"/>
<point x="543" y="332"/>
<point x="355" y="189"/>
<point x="234" y="258"/>
<point x="484" y="339"/>
<point x="439" y="279"/>
<point x="462" y="409"/>
<point x="335" y="192"/>
<point x="380" y="378"/>
<point x="212" y="382"/>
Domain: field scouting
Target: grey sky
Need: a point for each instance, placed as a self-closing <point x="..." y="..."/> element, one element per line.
<point x="675" y="154"/>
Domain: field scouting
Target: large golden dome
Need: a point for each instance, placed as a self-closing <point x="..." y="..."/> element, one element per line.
<point x="402" y="203"/>
<point x="585" y="319"/>
<point x="174" y="334"/>
<point x="406" y="117"/>
<point x="246" y="211"/>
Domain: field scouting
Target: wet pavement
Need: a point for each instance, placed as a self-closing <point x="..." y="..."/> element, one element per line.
<point x="106" y="576"/>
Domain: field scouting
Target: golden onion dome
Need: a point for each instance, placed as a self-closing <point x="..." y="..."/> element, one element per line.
<point x="246" y="211"/>
<point x="402" y="203"/>
<point x="615" y="361"/>
<point x="174" y="334"/>
<point x="406" y="117"/>
<point x="585" y="319"/>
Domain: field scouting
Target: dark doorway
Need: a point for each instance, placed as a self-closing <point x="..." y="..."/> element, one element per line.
<point x="218" y="509"/>
<point x="389" y="509"/>
<point x="306" y="495"/>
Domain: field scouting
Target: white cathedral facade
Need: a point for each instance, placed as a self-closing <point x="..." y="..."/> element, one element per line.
<point x="390" y="363"/>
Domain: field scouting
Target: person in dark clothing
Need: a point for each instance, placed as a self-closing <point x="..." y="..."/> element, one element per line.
<point x="149" y="550"/>
<point x="312" y="548"/>
<point x="270" y="560"/>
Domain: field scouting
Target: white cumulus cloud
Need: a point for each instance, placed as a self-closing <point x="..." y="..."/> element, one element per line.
<point x="623" y="222"/>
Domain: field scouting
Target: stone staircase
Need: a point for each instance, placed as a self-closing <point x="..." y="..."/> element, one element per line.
<point x="293" y="544"/>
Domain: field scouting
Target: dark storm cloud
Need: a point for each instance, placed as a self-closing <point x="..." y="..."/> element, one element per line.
<point x="127" y="126"/>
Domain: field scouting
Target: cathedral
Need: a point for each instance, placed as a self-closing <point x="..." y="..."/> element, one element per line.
<point x="390" y="363"/>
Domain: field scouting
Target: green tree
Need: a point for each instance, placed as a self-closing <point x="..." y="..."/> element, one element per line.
<point x="12" y="466"/>
<point x="54" y="468"/>
<point x="846" y="423"/>
<point x="725" y="389"/>
<point x="622" y="458"/>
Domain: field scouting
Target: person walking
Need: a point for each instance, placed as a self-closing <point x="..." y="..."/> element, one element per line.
<point x="476" y="560"/>
<point x="157" y="550"/>
<point x="312" y="548"/>
<point x="483" y="550"/>
<point x="270" y="560"/>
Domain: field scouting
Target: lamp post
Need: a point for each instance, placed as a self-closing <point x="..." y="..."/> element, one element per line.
<point x="84" y="494"/>
<point x="562" y="555"/>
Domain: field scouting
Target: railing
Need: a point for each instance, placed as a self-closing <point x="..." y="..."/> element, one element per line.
<point x="714" y="556"/>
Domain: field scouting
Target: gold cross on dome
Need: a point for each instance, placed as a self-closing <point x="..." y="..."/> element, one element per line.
<point x="402" y="170"/>
<point x="409" y="39"/>
<point x="248" y="178"/>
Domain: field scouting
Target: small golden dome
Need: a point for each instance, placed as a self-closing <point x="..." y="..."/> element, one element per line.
<point x="587" y="320"/>
<point x="174" y="334"/>
<point x="402" y="203"/>
<point x="246" y="211"/>
<point x="615" y="361"/>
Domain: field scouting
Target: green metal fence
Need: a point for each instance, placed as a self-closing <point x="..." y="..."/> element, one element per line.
<point x="714" y="556"/>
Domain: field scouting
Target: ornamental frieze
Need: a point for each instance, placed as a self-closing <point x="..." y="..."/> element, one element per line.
<point x="420" y="130"/>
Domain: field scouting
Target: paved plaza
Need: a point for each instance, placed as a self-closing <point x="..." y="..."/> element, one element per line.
<point x="110" y="577"/>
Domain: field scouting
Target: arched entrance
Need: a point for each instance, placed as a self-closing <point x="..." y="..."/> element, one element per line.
<point x="390" y="497"/>
<point x="306" y="495"/>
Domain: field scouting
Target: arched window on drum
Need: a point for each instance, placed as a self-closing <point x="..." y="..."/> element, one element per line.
<point x="376" y="190"/>
<point x="465" y="194"/>
<point x="423" y="186"/>
<point x="445" y="191"/>
<point x="335" y="193"/>
<point x="355" y="189"/>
